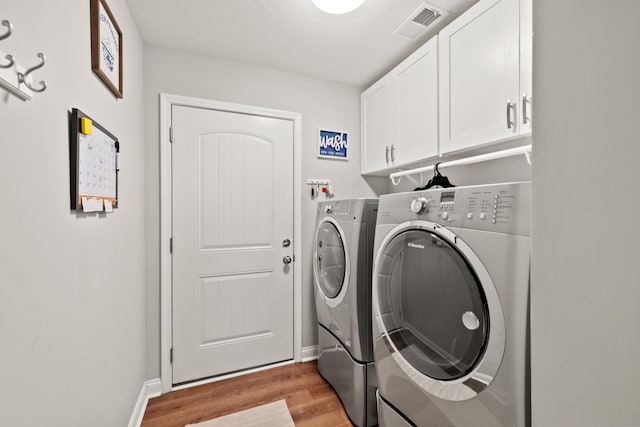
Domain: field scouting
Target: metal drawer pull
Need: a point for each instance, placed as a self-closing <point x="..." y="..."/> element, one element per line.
<point x="525" y="101"/>
<point x="510" y="123"/>
<point x="393" y="151"/>
<point x="386" y="154"/>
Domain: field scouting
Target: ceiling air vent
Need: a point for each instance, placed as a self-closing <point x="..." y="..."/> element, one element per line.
<point x="418" y="22"/>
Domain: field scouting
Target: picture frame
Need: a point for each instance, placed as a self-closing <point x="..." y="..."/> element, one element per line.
<point x="106" y="46"/>
<point x="333" y="144"/>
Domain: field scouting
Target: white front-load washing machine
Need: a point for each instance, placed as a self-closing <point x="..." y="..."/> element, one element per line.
<point x="342" y="256"/>
<point x="450" y="307"/>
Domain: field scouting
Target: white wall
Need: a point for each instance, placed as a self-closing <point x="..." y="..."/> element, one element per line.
<point x="322" y="104"/>
<point x="71" y="285"/>
<point x="586" y="271"/>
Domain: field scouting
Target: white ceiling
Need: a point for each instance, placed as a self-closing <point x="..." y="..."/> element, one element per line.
<point x="292" y="35"/>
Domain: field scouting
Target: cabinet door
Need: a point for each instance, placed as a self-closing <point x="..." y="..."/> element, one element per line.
<point x="526" y="65"/>
<point x="377" y="116"/>
<point x="417" y="91"/>
<point x="479" y="75"/>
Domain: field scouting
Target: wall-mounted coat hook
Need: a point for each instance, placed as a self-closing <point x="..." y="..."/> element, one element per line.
<point x="11" y="62"/>
<point x="14" y="77"/>
<point x="9" y="29"/>
<point x="4" y="36"/>
<point x="23" y="76"/>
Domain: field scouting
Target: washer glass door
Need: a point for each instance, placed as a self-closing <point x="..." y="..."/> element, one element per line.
<point x="432" y="305"/>
<point x="330" y="260"/>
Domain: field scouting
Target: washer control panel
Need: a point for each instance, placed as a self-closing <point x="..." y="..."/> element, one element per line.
<point x="496" y="207"/>
<point x="337" y="209"/>
<point x="350" y="210"/>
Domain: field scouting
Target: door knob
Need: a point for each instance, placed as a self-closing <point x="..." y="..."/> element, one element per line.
<point x="286" y="259"/>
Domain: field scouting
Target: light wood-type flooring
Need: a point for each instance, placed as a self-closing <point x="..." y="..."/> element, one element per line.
<point x="311" y="400"/>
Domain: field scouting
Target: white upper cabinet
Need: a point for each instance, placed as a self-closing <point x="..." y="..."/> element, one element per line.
<point x="399" y="113"/>
<point x="526" y="64"/>
<point x="485" y="75"/>
<point x="376" y="111"/>
<point x="417" y="91"/>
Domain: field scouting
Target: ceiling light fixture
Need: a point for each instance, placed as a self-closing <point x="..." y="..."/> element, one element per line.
<point x="337" y="7"/>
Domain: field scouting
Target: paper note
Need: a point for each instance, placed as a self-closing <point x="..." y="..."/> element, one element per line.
<point x="86" y="205"/>
<point x="108" y="206"/>
<point x="91" y="204"/>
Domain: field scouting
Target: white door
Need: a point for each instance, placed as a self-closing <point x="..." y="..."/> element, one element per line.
<point x="232" y="188"/>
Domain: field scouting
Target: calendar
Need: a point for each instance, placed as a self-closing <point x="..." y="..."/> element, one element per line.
<point x="94" y="162"/>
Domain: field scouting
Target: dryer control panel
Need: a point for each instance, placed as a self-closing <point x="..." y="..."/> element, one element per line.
<point x="498" y="207"/>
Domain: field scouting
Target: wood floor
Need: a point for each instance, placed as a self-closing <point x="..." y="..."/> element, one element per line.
<point x="311" y="400"/>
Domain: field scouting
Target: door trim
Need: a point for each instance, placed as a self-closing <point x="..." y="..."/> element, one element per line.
<point x="166" y="314"/>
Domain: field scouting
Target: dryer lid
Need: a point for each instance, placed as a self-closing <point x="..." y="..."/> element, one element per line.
<point x="432" y="305"/>
<point x="330" y="260"/>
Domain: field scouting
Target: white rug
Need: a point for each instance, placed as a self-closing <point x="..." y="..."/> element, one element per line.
<point x="275" y="414"/>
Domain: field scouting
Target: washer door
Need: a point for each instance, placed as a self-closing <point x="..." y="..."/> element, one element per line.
<point x="438" y="310"/>
<point x="331" y="268"/>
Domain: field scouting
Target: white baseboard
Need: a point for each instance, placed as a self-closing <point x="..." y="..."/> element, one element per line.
<point x="151" y="388"/>
<point x="309" y="353"/>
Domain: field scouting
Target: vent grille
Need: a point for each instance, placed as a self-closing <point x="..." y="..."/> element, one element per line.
<point x="426" y="17"/>
<point x="418" y="22"/>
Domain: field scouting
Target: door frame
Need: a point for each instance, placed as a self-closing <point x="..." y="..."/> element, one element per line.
<point x="166" y="200"/>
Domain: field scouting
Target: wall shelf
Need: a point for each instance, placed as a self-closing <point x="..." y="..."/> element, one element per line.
<point x="523" y="150"/>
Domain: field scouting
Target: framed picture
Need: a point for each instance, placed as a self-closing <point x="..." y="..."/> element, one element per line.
<point x="333" y="144"/>
<point x="106" y="46"/>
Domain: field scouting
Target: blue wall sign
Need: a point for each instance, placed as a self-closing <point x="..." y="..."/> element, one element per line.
<point x="333" y="145"/>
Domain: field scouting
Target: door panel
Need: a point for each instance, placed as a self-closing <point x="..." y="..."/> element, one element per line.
<point x="232" y="294"/>
<point x="228" y="167"/>
<point x="231" y="308"/>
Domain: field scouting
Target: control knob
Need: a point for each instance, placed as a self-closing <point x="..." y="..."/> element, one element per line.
<point x="419" y="205"/>
<point x="328" y="209"/>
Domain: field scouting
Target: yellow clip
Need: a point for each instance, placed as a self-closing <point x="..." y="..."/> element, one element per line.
<point x="86" y="126"/>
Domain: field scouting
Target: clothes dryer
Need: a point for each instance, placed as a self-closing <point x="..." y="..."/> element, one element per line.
<point x="450" y="306"/>
<point x="342" y="257"/>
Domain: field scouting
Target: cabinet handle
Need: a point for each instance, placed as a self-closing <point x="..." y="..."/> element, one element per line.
<point x="393" y="157"/>
<point x="510" y="106"/>
<point x="386" y="154"/>
<point x="525" y="101"/>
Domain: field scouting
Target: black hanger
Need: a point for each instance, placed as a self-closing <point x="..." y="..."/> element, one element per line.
<point x="437" y="180"/>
